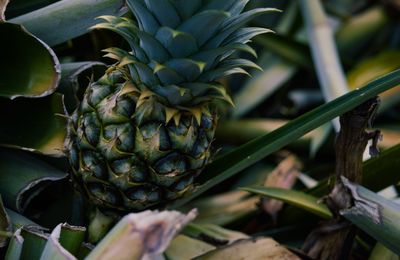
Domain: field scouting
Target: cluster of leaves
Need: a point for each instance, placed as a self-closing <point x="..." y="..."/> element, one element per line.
<point x="274" y="110"/>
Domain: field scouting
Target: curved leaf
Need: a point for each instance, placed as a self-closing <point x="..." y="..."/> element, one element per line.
<point x="71" y="237"/>
<point x="263" y="84"/>
<point x="53" y="248"/>
<point x="29" y="68"/>
<point x="14" y="249"/>
<point x="295" y="198"/>
<point x="213" y="231"/>
<point x="18" y="7"/>
<point x="75" y="77"/>
<point x="18" y="221"/>
<point x="35" y="125"/>
<point x="34" y="241"/>
<point x="23" y="177"/>
<point x="65" y="20"/>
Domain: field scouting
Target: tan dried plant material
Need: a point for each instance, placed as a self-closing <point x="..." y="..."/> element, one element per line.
<point x="251" y="249"/>
<point x="3" y="6"/>
<point x="144" y="235"/>
<point x="284" y="176"/>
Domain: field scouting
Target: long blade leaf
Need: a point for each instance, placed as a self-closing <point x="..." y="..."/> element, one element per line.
<point x="239" y="159"/>
<point x="295" y="198"/>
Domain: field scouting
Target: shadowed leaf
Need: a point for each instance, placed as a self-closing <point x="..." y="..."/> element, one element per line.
<point x="29" y="68"/>
<point x="295" y="198"/>
<point x="41" y="130"/>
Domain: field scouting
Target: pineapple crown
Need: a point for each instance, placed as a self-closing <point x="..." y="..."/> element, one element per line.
<point x="181" y="47"/>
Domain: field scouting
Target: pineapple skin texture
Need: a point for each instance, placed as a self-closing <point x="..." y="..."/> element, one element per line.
<point x="130" y="158"/>
<point x="143" y="131"/>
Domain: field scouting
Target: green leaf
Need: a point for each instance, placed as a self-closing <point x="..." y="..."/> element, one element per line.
<point x="71" y="237"/>
<point x="41" y="130"/>
<point x="167" y="76"/>
<point x="375" y="215"/>
<point x="380" y="252"/>
<point x="224" y="209"/>
<point x="23" y="178"/>
<point x="152" y="47"/>
<point x="228" y="67"/>
<point x="209" y="56"/>
<point x="34" y="241"/>
<point x="187" y="68"/>
<point x="287" y="48"/>
<point x="246" y="34"/>
<point x="179" y="44"/>
<point x="184" y="247"/>
<point x="219" y="5"/>
<point x="232" y="32"/>
<point x="262" y="84"/>
<point x="295" y="198"/>
<point x="14" y="249"/>
<point x="213" y="75"/>
<point x="29" y="68"/>
<point x="64" y="20"/>
<point x="165" y="12"/>
<point x="203" y="25"/>
<point x="239" y="159"/>
<point x="75" y="77"/>
<point x="55" y="250"/>
<point x="185" y="9"/>
<point x="18" y="221"/>
<point x="18" y="7"/>
<point x="84" y="250"/>
<point x="146" y="20"/>
<point x="214" y="232"/>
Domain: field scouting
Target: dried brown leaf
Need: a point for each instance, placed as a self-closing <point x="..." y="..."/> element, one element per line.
<point x="3" y="6"/>
<point x="284" y="176"/>
<point x="251" y="249"/>
<point x="144" y="235"/>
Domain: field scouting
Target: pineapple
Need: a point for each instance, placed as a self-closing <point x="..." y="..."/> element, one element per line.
<point x="143" y="131"/>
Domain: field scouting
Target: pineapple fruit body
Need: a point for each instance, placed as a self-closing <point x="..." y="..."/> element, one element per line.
<point x="143" y="131"/>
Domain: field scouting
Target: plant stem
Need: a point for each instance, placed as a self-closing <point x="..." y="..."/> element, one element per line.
<point x="334" y="238"/>
<point x="325" y="55"/>
<point x="100" y="224"/>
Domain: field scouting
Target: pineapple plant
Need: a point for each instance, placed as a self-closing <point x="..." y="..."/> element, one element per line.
<point x="143" y="131"/>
